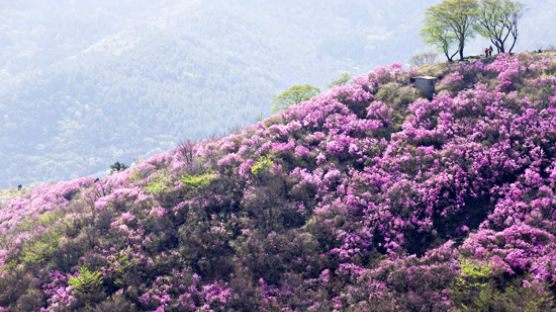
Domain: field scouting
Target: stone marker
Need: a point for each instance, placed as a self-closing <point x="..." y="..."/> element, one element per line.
<point x="425" y="84"/>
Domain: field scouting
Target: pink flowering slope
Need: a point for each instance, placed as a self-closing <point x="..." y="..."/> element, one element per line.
<point x="365" y="198"/>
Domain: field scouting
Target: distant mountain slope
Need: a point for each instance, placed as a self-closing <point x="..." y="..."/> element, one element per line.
<point x="365" y="198"/>
<point x="85" y="84"/>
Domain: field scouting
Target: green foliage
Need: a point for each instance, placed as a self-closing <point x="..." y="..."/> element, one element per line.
<point x="398" y="97"/>
<point x="46" y="219"/>
<point x="264" y="163"/>
<point x="41" y="250"/>
<point x="473" y="274"/>
<point x="340" y="81"/>
<point x="158" y="184"/>
<point x="121" y="264"/>
<point x="163" y="185"/>
<point x="197" y="182"/>
<point x="38" y="252"/>
<point x="117" y="166"/>
<point x="452" y="22"/>
<point x="472" y="291"/>
<point x="435" y="33"/>
<point x="448" y="23"/>
<point x="50" y="217"/>
<point x="32" y="300"/>
<point x="8" y="293"/>
<point x="478" y="288"/>
<point x="116" y="303"/>
<point x="88" y="287"/>
<point x="512" y="298"/>
<point x="293" y="95"/>
<point x="134" y="176"/>
<point x="86" y="281"/>
<point x="497" y="20"/>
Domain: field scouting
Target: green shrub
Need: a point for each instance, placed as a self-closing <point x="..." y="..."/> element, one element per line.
<point x="13" y="285"/>
<point x="158" y="184"/>
<point x="116" y="303"/>
<point x="135" y="176"/>
<point x="197" y="182"/>
<point x="46" y="220"/>
<point x="264" y="163"/>
<point x="88" y="287"/>
<point x="68" y="252"/>
<point x="478" y="288"/>
<point x="397" y="96"/>
<point x="86" y="281"/>
<point x="163" y="183"/>
<point x="32" y="300"/>
<point x="41" y="250"/>
<point x="512" y="298"/>
<point x="473" y="274"/>
<point x="293" y="95"/>
<point x="471" y="286"/>
<point x="126" y="270"/>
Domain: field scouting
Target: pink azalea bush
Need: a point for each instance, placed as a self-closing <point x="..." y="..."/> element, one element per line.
<point x="351" y="201"/>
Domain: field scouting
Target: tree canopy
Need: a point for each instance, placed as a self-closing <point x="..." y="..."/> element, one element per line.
<point x="340" y="81"/>
<point x="450" y="23"/>
<point x="293" y="95"/>
<point x="497" y="21"/>
<point x="117" y="166"/>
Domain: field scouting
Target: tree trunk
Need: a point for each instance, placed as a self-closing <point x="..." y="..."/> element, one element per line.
<point x="513" y="44"/>
<point x="500" y="46"/>
<point x="451" y="58"/>
<point x="448" y="56"/>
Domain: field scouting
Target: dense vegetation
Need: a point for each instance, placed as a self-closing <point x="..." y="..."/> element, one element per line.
<point x="365" y="198"/>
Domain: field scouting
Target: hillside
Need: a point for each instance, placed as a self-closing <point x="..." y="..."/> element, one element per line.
<point x="365" y="198"/>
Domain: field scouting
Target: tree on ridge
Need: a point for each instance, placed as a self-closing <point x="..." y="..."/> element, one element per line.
<point x="448" y="23"/>
<point x="497" y="20"/>
<point x="293" y="95"/>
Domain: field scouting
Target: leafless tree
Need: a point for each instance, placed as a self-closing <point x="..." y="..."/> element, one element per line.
<point x="185" y="150"/>
<point x="423" y="58"/>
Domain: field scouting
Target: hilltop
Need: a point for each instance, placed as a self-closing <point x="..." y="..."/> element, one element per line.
<point x="365" y="198"/>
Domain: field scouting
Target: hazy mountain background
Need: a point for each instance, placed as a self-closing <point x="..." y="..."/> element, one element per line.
<point x="84" y="84"/>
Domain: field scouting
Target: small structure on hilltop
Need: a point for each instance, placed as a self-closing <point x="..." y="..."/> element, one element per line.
<point x="425" y="84"/>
